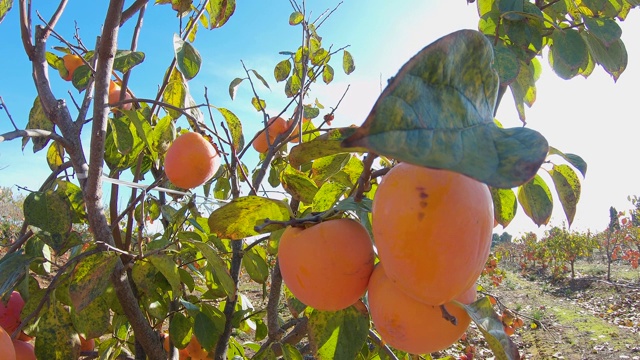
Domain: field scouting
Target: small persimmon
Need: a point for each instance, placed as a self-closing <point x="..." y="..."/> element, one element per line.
<point x="277" y="126"/>
<point x="432" y="229"/>
<point x="10" y="312"/>
<point x="182" y="353"/>
<point x="410" y="325"/>
<point x="191" y="160"/>
<point x="195" y="350"/>
<point x="71" y="63"/>
<point x="114" y="95"/>
<point x="327" y="266"/>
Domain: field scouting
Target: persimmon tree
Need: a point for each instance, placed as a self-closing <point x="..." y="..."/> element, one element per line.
<point x="109" y="276"/>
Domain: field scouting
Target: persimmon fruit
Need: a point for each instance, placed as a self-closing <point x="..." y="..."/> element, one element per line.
<point x="277" y="126"/>
<point x="24" y="350"/>
<point x="182" y="353"/>
<point x="6" y="346"/>
<point x="432" y="229"/>
<point x="114" y="95"/>
<point x="191" y="160"/>
<point x="10" y="312"/>
<point x="87" y="344"/>
<point x="327" y="266"/>
<point x="195" y="350"/>
<point x="71" y="63"/>
<point x="295" y="134"/>
<point x="410" y="325"/>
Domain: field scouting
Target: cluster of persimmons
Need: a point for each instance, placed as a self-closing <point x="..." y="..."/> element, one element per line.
<point x="21" y="348"/>
<point x="432" y="231"/>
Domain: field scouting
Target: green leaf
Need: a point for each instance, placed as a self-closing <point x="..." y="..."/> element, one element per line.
<point x="163" y="135"/>
<point x="219" y="12"/>
<point x="261" y="78"/>
<point x="328" y="194"/>
<point x="296" y="18"/>
<point x="568" y="53"/>
<point x="327" y="74"/>
<point x="490" y="325"/>
<point x="94" y="320"/>
<point x="217" y="266"/>
<point x="290" y="352"/>
<point x="235" y="127"/>
<point x="188" y="58"/>
<point x="48" y="211"/>
<point x="175" y="93"/>
<point x="5" y="6"/>
<point x="338" y="334"/>
<point x="74" y="195"/>
<point x="347" y="62"/>
<point x="606" y="30"/>
<point x="180" y="330"/>
<point x="613" y="59"/>
<point x="13" y="267"/>
<point x="510" y="9"/>
<point x="438" y="112"/>
<point x="81" y="77"/>
<point x="282" y="70"/>
<point x="535" y="198"/>
<point x="524" y="88"/>
<point x="55" y="155"/>
<point x="37" y="120"/>
<point x="326" y="144"/>
<point x="293" y="85"/>
<point x="169" y="269"/>
<point x="258" y="104"/>
<point x="325" y="167"/>
<point x="208" y="326"/>
<point x="91" y="277"/>
<point x="57" y="339"/>
<point x="573" y="159"/>
<point x="505" y="205"/>
<point x="125" y="60"/>
<point x="237" y="219"/>
<point x="506" y="63"/>
<point x="568" y="188"/>
<point x="298" y="185"/>
<point x="233" y="87"/>
<point x="255" y="262"/>
<point x="122" y="136"/>
<point x="143" y="275"/>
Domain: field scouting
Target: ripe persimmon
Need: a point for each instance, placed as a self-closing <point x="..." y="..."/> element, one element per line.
<point x="87" y="344"/>
<point x="432" y="229"/>
<point x="410" y="325"/>
<point x="24" y="350"/>
<point x="327" y="266"/>
<point x="114" y="95"/>
<point x="71" y="63"/>
<point x="191" y="160"/>
<point x="195" y="350"/>
<point x="6" y="346"/>
<point x="182" y="353"/>
<point x="277" y="126"/>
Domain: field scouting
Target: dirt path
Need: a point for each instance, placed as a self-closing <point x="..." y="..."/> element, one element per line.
<point x="584" y="319"/>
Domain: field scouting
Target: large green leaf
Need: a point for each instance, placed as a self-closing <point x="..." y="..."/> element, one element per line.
<point x="208" y="326"/>
<point x="48" y="211"/>
<point x="187" y="57"/>
<point x="568" y="54"/>
<point x="298" y="185"/>
<point x="536" y="201"/>
<point x="235" y="127"/>
<point x="169" y="269"/>
<point x="217" y="267"/>
<point x="612" y="58"/>
<point x="338" y="334"/>
<point x="606" y="30"/>
<point x="255" y="262"/>
<point x="57" y="339"/>
<point x="94" y="320"/>
<point x="181" y="330"/>
<point x="573" y="159"/>
<point x="438" y="112"/>
<point x="490" y="325"/>
<point x="125" y="60"/>
<point x="568" y="188"/>
<point x="176" y="93"/>
<point x="323" y="145"/>
<point x="523" y="88"/>
<point x="5" y="6"/>
<point x="13" y="267"/>
<point x="237" y="219"/>
<point x="91" y="277"/>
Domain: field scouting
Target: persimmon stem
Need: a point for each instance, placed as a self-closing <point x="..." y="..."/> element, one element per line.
<point x="447" y="316"/>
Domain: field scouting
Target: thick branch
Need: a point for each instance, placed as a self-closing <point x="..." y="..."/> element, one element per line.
<point x="34" y="133"/>
<point x="147" y="337"/>
<point x="132" y="10"/>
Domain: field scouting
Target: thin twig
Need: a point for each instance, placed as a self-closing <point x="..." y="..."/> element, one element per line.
<point x="6" y="109"/>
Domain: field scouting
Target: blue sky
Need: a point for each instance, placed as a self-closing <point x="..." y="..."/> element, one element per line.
<point x="595" y="118"/>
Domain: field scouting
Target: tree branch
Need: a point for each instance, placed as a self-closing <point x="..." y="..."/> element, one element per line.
<point x="34" y="133"/>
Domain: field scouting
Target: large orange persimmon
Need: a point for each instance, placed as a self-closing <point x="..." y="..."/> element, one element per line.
<point x="410" y="325"/>
<point x="432" y="229"/>
<point x="71" y="63"/>
<point x="6" y="346"/>
<point x="277" y="126"/>
<point x="327" y="266"/>
<point x="191" y="160"/>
